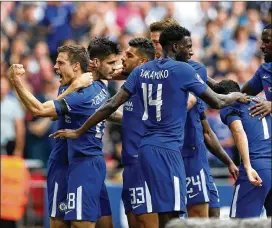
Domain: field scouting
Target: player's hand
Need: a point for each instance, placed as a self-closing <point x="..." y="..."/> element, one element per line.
<point x="244" y="98"/>
<point x="262" y="108"/>
<point x="253" y="177"/>
<point x="16" y="70"/>
<point x="66" y="133"/>
<point x="83" y="80"/>
<point x="234" y="171"/>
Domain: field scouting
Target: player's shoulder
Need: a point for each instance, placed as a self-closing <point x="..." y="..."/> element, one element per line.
<point x="267" y="67"/>
<point x="196" y="65"/>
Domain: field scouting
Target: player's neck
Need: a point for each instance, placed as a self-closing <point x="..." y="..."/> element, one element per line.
<point x="95" y="76"/>
<point x="167" y="54"/>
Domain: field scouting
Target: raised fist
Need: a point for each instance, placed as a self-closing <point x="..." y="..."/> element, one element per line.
<point x="16" y="70"/>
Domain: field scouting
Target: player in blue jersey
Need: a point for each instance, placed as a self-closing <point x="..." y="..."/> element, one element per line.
<point x="253" y="140"/>
<point x="261" y="81"/>
<point x="140" y="51"/>
<point x="69" y="65"/>
<point x="197" y="131"/>
<point x="162" y="86"/>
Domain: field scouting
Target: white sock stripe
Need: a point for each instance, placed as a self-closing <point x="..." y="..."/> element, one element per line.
<point x="79" y="203"/>
<point x="234" y="202"/>
<point x="177" y="194"/>
<point x="54" y="206"/>
<point x="148" y="199"/>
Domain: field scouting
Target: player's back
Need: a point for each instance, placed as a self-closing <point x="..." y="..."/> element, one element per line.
<point x="85" y="103"/>
<point x="258" y="133"/>
<point x="162" y="87"/>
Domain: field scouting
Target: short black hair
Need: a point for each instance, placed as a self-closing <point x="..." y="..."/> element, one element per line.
<point x="144" y="46"/>
<point x="268" y="26"/>
<point x="226" y="87"/>
<point x="173" y="33"/>
<point x="101" y="48"/>
<point x="76" y="53"/>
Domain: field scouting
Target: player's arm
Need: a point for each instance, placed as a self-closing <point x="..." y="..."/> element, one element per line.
<point x="122" y="95"/>
<point x="192" y="82"/>
<point x="101" y="114"/>
<point x="82" y="81"/>
<point x="36" y="108"/>
<point x="211" y="82"/>
<point x="116" y="117"/>
<point x="249" y="90"/>
<point x="215" y="147"/>
<point x="218" y="101"/>
<point x="241" y="143"/>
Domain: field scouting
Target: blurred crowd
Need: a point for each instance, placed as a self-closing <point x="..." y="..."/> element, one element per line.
<point x="226" y="38"/>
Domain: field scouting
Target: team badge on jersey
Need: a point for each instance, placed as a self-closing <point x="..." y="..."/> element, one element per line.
<point x="199" y="78"/>
<point x="62" y="206"/>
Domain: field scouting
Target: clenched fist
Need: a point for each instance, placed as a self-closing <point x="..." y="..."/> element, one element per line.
<point x="16" y="70"/>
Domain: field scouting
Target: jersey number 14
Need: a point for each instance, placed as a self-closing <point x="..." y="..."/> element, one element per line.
<point x="148" y="101"/>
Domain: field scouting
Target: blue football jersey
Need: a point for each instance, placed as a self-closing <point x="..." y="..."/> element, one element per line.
<point x="258" y="133"/>
<point x="163" y="86"/>
<point x="81" y="105"/>
<point x="193" y="128"/>
<point x="60" y="149"/>
<point x="132" y="130"/>
<point x="262" y="80"/>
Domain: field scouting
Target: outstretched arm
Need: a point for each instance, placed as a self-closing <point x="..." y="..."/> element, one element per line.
<point x="36" y="108"/>
<point x="211" y="82"/>
<point x="241" y="142"/>
<point x="249" y="90"/>
<point x="218" y="101"/>
<point x="101" y="114"/>
<point x="216" y="149"/>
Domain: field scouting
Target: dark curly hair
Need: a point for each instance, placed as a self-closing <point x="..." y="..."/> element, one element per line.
<point x="103" y="47"/>
<point x="173" y="33"/>
<point x="144" y="46"/>
<point x="226" y="87"/>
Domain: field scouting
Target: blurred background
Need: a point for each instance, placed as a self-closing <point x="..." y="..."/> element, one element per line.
<point x="226" y="38"/>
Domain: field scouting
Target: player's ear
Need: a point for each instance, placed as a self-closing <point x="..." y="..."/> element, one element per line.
<point x="76" y="67"/>
<point x="175" y="47"/>
<point x="143" y="60"/>
<point x="96" y="62"/>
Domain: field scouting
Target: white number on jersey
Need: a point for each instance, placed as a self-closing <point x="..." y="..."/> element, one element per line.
<point x="147" y="96"/>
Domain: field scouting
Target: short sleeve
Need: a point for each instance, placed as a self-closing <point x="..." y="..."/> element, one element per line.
<point x="255" y="82"/>
<point x="191" y="80"/>
<point x="131" y="83"/>
<point x="73" y="103"/>
<point x="229" y="114"/>
<point x="202" y="71"/>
